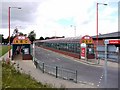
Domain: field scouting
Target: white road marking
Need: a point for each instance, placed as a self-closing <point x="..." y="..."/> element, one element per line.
<point x="98" y="85"/>
<point x="99" y="82"/>
<point x="100" y="79"/>
<point x="57" y="58"/>
<point x="80" y="81"/>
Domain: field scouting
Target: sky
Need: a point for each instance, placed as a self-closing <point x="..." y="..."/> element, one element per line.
<point x="59" y="17"/>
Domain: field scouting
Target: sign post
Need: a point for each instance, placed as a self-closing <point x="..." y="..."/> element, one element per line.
<point x="106" y="42"/>
<point x="105" y="66"/>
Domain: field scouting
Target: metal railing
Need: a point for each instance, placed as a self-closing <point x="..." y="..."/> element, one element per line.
<point x="58" y="72"/>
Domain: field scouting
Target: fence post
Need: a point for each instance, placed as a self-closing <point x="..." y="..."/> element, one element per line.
<point x="43" y="67"/>
<point x="76" y="76"/>
<point x="56" y="71"/>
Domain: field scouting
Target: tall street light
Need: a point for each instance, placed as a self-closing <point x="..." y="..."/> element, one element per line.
<point x="74" y="29"/>
<point x="9" y="25"/>
<point x="105" y="65"/>
<point x="97" y="25"/>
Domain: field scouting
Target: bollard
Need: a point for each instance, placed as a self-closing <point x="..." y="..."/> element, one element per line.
<point x="76" y="76"/>
<point x="98" y="60"/>
<point x="56" y="71"/>
<point x="43" y="67"/>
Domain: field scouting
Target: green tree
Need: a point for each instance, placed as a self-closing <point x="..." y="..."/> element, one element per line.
<point x="41" y="38"/>
<point x="32" y="36"/>
<point x="47" y="38"/>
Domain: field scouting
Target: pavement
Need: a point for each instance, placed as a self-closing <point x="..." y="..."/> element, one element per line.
<point x="27" y="66"/>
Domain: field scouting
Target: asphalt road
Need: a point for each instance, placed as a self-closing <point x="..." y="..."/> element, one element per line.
<point x="86" y="73"/>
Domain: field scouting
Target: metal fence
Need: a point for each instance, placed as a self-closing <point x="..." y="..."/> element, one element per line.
<point x="58" y="72"/>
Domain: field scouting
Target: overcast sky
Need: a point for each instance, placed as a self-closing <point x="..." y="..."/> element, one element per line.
<point x="55" y="17"/>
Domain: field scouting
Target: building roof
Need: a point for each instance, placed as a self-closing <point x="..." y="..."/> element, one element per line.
<point x="114" y="35"/>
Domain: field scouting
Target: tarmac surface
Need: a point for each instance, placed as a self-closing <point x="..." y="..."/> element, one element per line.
<point x="89" y="73"/>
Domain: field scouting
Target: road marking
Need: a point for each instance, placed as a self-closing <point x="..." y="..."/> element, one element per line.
<point x="98" y="85"/>
<point x="84" y="82"/>
<point x="53" y="60"/>
<point x="57" y="58"/>
<point x="100" y="79"/>
<point x="99" y="82"/>
<point x="80" y="81"/>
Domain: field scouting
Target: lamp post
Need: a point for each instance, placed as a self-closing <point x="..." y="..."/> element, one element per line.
<point x="105" y="65"/>
<point x="74" y="29"/>
<point x="97" y="25"/>
<point x="9" y="25"/>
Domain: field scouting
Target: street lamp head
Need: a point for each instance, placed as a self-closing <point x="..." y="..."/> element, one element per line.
<point x="19" y="8"/>
<point x="104" y="4"/>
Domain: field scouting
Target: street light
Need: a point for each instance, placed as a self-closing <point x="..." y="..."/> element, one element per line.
<point x="105" y="65"/>
<point x="97" y="24"/>
<point x="9" y="25"/>
<point x="74" y="29"/>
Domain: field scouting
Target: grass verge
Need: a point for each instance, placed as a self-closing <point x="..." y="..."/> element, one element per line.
<point x="12" y="78"/>
<point x="3" y="50"/>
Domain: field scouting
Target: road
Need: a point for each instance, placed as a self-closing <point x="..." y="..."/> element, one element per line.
<point x="86" y="73"/>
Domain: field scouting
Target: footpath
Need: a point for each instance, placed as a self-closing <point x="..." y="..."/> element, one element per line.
<point x="28" y="67"/>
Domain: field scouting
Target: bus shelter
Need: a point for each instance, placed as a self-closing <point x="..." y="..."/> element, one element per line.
<point x="21" y="47"/>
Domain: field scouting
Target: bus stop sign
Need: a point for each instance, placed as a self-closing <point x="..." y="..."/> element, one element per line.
<point x="112" y="41"/>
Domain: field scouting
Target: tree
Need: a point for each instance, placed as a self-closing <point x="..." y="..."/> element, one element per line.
<point x="21" y="34"/>
<point x="11" y="39"/>
<point x="25" y="35"/>
<point x="15" y="32"/>
<point x="41" y="38"/>
<point x="32" y="36"/>
<point x="47" y="38"/>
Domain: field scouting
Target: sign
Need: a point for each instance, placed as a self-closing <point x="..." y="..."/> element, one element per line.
<point x="21" y="40"/>
<point x="87" y="39"/>
<point x="112" y="41"/>
<point x="83" y="52"/>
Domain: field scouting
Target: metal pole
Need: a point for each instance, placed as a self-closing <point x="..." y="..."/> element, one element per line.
<point x="43" y="67"/>
<point x="76" y="76"/>
<point x="56" y="71"/>
<point x="9" y="28"/>
<point x="33" y="51"/>
<point x="105" y="66"/>
<point x="96" y="30"/>
<point x="75" y="30"/>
